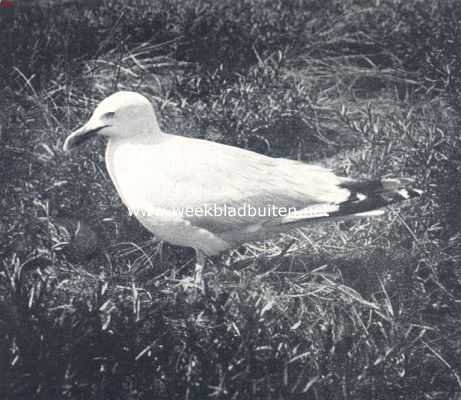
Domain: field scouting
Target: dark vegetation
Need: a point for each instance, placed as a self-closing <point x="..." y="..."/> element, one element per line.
<point x="90" y="308"/>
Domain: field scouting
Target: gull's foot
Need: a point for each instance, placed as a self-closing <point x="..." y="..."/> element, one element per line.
<point x="189" y="283"/>
<point x="194" y="287"/>
<point x="242" y="264"/>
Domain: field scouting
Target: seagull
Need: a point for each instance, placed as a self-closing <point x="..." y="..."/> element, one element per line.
<point x="213" y="197"/>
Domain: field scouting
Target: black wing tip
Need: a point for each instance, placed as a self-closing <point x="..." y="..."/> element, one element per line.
<point x="369" y="195"/>
<point x="373" y="187"/>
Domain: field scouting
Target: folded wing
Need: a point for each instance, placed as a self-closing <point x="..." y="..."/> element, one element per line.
<point x="198" y="174"/>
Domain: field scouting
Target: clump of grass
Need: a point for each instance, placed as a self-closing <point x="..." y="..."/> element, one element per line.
<point x="308" y="335"/>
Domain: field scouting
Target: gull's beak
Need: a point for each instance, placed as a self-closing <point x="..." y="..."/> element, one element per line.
<point x="81" y="135"/>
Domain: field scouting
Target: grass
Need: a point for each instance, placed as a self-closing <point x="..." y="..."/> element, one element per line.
<point x="91" y="307"/>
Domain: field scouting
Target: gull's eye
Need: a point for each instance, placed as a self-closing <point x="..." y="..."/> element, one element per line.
<point x="108" y="115"/>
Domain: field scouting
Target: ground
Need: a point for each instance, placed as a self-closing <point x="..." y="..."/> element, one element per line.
<point x="91" y="307"/>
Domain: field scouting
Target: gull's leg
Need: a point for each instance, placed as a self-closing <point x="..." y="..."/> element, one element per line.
<point x="195" y="285"/>
<point x="159" y="250"/>
<point x="198" y="272"/>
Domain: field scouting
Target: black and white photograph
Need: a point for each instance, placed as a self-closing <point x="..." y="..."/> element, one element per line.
<point x="230" y="199"/>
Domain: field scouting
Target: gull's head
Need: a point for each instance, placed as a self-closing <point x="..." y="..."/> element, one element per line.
<point x="121" y="115"/>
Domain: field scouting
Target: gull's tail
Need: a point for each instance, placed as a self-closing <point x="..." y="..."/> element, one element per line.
<point x="366" y="199"/>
